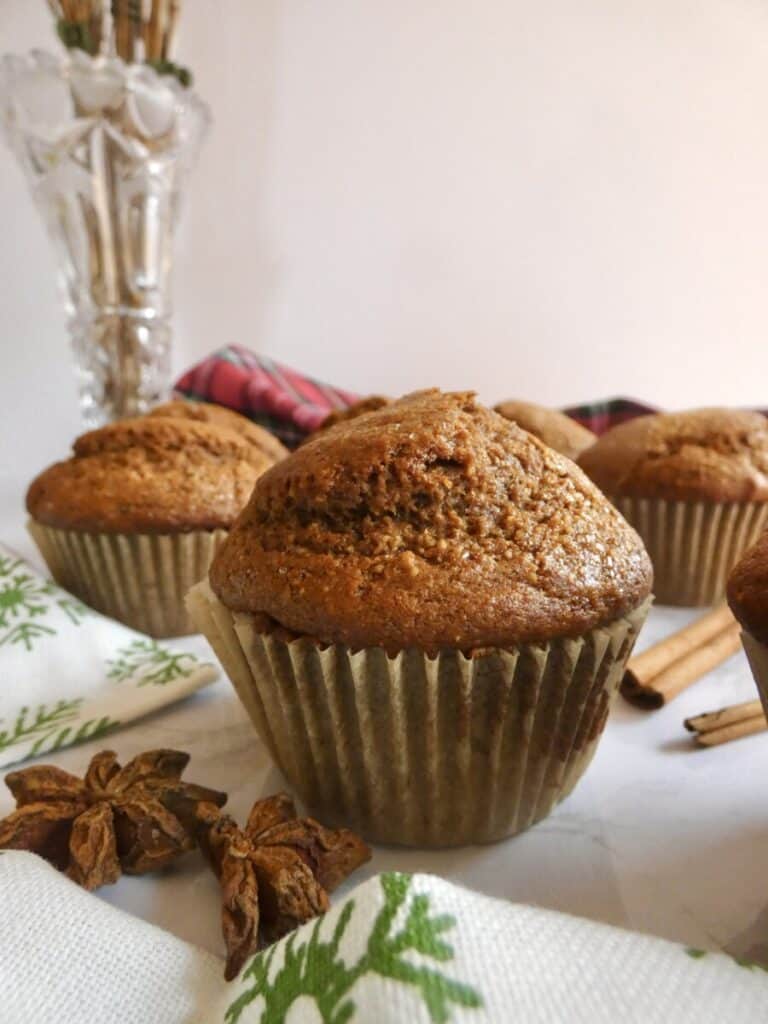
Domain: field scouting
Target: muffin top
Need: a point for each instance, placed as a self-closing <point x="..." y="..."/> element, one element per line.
<point x="550" y="425"/>
<point x="220" y="416"/>
<point x="149" y="475"/>
<point x="748" y="590"/>
<point x="703" y="454"/>
<point x="369" y="404"/>
<point x="432" y="522"/>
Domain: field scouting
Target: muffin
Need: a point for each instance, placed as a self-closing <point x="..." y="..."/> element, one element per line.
<point x="426" y="612"/>
<point x="550" y="425"/>
<point x="695" y="487"/>
<point x="219" y="415"/>
<point x="748" y="599"/>
<point x="369" y="404"/>
<point x="132" y="519"/>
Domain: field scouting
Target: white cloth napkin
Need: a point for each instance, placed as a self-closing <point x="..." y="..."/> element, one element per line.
<point x="69" y="674"/>
<point x="399" y="950"/>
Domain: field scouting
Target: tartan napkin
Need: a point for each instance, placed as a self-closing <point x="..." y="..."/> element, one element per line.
<point x="292" y="405"/>
<point x="400" y="949"/>
<point x="288" y="403"/>
<point x="602" y="415"/>
<point x="70" y="674"/>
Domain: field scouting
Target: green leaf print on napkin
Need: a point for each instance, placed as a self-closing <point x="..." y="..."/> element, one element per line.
<point x="52" y="727"/>
<point x="25" y="599"/>
<point x="313" y="968"/>
<point x="150" y="664"/>
<point x="75" y="610"/>
<point x="750" y="965"/>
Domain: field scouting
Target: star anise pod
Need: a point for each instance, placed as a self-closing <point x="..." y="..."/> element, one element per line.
<point x="112" y="821"/>
<point x="275" y="873"/>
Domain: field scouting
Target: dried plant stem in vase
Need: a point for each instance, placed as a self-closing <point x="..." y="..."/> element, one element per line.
<point x="107" y="137"/>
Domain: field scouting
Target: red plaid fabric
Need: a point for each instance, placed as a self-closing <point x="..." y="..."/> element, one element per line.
<point x="289" y="404"/>
<point x="601" y="416"/>
<point x="292" y="405"/>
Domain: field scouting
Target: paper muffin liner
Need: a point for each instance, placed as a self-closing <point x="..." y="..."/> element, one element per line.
<point x="424" y="751"/>
<point x="140" y="580"/>
<point x="757" y="656"/>
<point x="693" y="544"/>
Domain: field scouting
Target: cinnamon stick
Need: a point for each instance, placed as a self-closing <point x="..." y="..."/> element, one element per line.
<point x="735" y="731"/>
<point x="173" y="19"/>
<point x="731" y="723"/>
<point x="153" y="39"/>
<point x="659" y="674"/>
<point x="711" y="720"/>
<point x="126" y="26"/>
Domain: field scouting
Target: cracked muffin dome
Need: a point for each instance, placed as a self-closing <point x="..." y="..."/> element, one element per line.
<point x="220" y="416"/>
<point x="551" y="426"/>
<point x="151" y="474"/>
<point x="351" y="412"/>
<point x="369" y="404"/>
<point x="714" y="455"/>
<point x="432" y="522"/>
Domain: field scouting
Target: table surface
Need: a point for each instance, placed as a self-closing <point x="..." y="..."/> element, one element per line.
<point x="659" y="836"/>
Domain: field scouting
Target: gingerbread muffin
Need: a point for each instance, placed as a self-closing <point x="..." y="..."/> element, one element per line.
<point x="695" y="486"/>
<point x="550" y="425"/>
<point x="423" y="604"/>
<point x="369" y="404"/>
<point x="748" y="598"/>
<point x="131" y="520"/>
<point x="220" y="416"/>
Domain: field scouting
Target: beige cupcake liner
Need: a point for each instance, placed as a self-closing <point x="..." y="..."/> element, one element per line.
<point x="424" y="751"/>
<point x="140" y="580"/>
<point x="693" y="544"/>
<point x="757" y="656"/>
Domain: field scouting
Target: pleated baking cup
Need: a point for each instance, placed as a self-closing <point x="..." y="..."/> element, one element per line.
<point x="693" y="544"/>
<point x="139" y="579"/>
<point x="757" y="656"/>
<point x="424" y="751"/>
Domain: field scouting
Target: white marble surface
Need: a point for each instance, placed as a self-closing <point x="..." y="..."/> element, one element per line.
<point x="659" y="836"/>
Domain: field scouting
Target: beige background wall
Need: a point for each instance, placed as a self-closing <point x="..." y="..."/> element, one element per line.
<point x="559" y="199"/>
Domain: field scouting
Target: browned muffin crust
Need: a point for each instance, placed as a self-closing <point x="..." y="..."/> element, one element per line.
<point x="703" y="454"/>
<point x="370" y="404"/>
<point x="430" y="523"/>
<point x="149" y="475"/>
<point x="220" y="416"/>
<point x="748" y="590"/>
<point x="550" y="426"/>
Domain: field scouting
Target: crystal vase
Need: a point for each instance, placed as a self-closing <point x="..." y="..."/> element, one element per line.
<point x="107" y="148"/>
